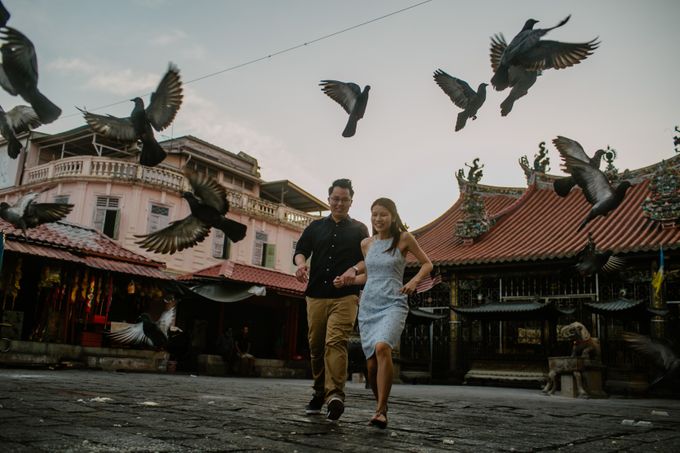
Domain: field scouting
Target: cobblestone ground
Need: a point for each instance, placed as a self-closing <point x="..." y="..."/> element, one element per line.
<point x="95" y="411"/>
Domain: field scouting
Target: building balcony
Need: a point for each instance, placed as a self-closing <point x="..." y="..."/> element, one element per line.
<point x="93" y="168"/>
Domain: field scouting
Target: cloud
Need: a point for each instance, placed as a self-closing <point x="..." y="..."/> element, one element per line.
<point x="71" y="65"/>
<point x="165" y="39"/>
<point x="203" y="119"/>
<point x="125" y="82"/>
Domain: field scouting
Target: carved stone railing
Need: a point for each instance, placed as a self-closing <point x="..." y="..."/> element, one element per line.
<point x="101" y="168"/>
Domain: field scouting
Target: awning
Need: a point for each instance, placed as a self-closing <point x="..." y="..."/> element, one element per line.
<point x="89" y="261"/>
<point x="502" y="311"/>
<point x="222" y="293"/>
<point x="623" y="307"/>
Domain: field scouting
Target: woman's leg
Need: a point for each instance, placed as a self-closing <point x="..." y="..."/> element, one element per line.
<point x="372" y="371"/>
<point x="383" y="354"/>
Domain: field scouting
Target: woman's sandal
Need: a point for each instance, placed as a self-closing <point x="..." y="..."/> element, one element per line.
<point x="379" y="420"/>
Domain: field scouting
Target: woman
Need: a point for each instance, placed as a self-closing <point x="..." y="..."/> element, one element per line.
<point x="384" y="302"/>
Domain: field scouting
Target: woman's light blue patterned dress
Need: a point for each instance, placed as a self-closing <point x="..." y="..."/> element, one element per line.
<point x="383" y="309"/>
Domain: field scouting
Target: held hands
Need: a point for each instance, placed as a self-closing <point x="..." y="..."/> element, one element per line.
<point x="408" y="288"/>
<point x="302" y="273"/>
<point x="346" y="279"/>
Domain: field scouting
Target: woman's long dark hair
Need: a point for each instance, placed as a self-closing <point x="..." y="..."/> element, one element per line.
<point x="396" y="227"/>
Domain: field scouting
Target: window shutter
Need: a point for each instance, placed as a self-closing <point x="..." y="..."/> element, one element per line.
<point x="218" y="244"/>
<point x="270" y="259"/>
<point x="159" y="218"/>
<point x="258" y="248"/>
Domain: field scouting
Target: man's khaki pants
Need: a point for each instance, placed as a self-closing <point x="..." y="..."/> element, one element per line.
<point x="330" y="323"/>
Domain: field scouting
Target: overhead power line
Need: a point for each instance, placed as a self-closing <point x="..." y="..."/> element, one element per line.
<point x="273" y="54"/>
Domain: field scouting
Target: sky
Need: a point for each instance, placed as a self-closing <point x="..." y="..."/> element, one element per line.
<point x="92" y="53"/>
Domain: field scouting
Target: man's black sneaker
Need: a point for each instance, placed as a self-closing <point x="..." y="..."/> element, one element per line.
<point x="335" y="408"/>
<point x="314" y="406"/>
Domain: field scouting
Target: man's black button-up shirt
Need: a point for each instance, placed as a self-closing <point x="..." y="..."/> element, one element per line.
<point x="334" y="248"/>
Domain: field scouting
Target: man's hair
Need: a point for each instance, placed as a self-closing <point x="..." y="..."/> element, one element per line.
<point x="343" y="184"/>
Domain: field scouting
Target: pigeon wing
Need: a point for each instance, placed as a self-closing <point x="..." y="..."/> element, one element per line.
<point x="21" y="51"/>
<point x="458" y="90"/>
<point x="5" y="83"/>
<point x="593" y="182"/>
<point x="569" y="147"/>
<point x="498" y="46"/>
<point x="558" y="55"/>
<point x="22" y="118"/>
<point x="165" y="320"/>
<point x="176" y="237"/>
<point x="132" y="334"/>
<point x="111" y="126"/>
<point x="661" y="354"/>
<point x="208" y="190"/>
<point x="166" y="100"/>
<point x="345" y="94"/>
<point x="39" y="213"/>
<point x="614" y="263"/>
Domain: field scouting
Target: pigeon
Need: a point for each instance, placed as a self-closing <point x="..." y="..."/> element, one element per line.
<point x="4" y="15"/>
<point x="351" y="98"/>
<point x="662" y="355"/>
<point x="591" y="261"/>
<point x="563" y="186"/>
<point x="462" y="95"/>
<point x="209" y="205"/>
<point x="19" y="74"/>
<point x="145" y="331"/>
<point x="519" y="63"/>
<point x="17" y="120"/>
<point x="26" y="213"/>
<point x="164" y="104"/>
<point x="592" y="181"/>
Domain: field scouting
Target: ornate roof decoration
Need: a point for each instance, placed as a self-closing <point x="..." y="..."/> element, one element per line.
<point x="475" y="221"/>
<point x="536" y="172"/>
<point x="676" y="140"/>
<point x="663" y="203"/>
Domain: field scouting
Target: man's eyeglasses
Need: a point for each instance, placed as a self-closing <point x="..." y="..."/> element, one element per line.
<point x="336" y="200"/>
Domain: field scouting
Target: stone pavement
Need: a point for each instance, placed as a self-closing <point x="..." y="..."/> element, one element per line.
<point x="97" y="411"/>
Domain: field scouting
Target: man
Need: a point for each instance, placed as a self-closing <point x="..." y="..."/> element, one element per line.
<point x="334" y="245"/>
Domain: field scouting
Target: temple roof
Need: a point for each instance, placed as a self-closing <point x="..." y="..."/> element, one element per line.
<point x="540" y="225"/>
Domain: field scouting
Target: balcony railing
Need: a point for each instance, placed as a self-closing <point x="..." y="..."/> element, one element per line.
<point x="105" y="169"/>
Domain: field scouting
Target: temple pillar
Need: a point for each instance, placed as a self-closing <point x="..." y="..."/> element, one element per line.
<point x="455" y="332"/>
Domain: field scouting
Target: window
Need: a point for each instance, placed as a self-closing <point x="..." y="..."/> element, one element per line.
<point x="107" y="216"/>
<point x="248" y="185"/>
<point x="269" y="256"/>
<point x="258" y="248"/>
<point x="221" y="245"/>
<point x="159" y="218"/>
<point x="61" y="199"/>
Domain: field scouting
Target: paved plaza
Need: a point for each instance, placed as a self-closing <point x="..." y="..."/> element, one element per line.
<point x="97" y="411"/>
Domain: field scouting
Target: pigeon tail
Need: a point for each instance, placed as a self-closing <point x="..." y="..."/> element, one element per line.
<point x="563" y="186"/>
<point x="152" y="153"/>
<point x="462" y="119"/>
<point x="46" y="110"/>
<point x="234" y="230"/>
<point x="351" y="127"/>
<point x="13" y="147"/>
<point x="500" y="80"/>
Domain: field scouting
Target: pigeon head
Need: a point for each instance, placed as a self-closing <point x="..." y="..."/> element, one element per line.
<point x="529" y="24"/>
<point x="138" y="102"/>
<point x="144" y="317"/>
<point x="622" y="187"/>
<point x="4" y="206"/>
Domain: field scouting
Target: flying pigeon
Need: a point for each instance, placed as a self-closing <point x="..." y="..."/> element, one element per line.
<point x="160" y="113"/>
<point x="351" y="98"/>
<point x="662" y="355"/>
<point x="519" y="63"/>
<point x="4" y="15"/>
<point x="563" y="186"/>
<point x="462" y="95"/>
<point x="19" y="74"/>
<point x="26" y="213"/>
<point x="593" y="182"/>
<point x="145" y="331"/>
<point x="17" y="120"/>
<point x="209" y="205"/>
<point x="591" y="261"/>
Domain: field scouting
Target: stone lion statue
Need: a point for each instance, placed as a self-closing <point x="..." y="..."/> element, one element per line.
<point x="583" y="345"/>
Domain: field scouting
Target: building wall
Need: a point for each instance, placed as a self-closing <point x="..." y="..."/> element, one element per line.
<point x="90" y="177"/>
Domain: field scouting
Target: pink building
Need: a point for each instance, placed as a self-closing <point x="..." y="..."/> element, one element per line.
<point x="121" y="198"/>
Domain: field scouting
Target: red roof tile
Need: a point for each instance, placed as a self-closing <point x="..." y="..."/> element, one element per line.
<point x="540" y="225"/>
<point x="238" y="272"/>
<point x="75" y="238"/>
